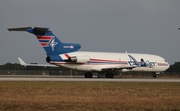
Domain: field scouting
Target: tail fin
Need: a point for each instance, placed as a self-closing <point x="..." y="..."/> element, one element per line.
<point x="51" y="44"/>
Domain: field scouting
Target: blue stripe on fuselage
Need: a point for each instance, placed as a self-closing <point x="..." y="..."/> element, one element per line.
<point x="43" y="40"/>
<point x="90" y="62"/>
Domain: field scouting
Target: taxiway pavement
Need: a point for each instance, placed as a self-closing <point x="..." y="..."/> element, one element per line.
<point x="88" y="79"/>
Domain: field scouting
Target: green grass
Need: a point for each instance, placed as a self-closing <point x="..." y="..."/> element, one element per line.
<point x="89" y="96"/>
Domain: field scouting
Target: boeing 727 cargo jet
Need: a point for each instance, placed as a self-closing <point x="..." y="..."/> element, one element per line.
<point x="104" y="63"/>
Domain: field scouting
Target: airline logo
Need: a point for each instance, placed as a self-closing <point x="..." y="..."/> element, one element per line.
<point x="47" y="41"/>
<point x="142" y="63"/>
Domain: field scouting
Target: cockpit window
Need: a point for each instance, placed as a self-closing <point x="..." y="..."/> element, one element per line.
<point x="165" y="60"/>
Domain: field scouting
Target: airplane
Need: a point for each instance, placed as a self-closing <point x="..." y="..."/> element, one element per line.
<point x="103" y="63"/>
<point x="35" y="64"/>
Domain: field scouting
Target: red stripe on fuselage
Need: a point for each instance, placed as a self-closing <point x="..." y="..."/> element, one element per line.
<point x="44" y="37"/>
<point x="67" y="56"/>
<point x="60" y="63"/>
<point x="162" y="64"/>
<point x="106" y="60"/>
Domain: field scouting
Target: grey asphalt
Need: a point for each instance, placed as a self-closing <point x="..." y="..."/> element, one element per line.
<point x="88" y="79"/>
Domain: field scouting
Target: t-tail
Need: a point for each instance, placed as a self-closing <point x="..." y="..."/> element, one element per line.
<point x="51" y="44"/>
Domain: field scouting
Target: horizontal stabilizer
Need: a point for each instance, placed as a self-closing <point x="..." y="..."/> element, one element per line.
<point x="41" y="29"/>
<point x="19" y="29"/>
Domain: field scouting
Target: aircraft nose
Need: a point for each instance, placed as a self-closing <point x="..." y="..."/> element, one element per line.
<point x="167" y="66"/>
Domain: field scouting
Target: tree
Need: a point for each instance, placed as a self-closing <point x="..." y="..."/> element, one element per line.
<point x="174" y="68"/>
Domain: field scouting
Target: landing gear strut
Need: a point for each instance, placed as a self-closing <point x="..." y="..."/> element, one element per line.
<point x="156" y="74"/>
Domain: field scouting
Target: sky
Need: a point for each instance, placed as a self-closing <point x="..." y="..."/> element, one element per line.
<point x="135" y="26"/>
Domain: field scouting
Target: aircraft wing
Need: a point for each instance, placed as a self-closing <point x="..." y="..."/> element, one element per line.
<point x="116" y="67"/>
<point x="34" y="64"/>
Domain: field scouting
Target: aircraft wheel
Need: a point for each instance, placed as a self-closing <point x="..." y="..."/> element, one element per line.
<point x="88" y="75"/>
<point x="155" y="75"/>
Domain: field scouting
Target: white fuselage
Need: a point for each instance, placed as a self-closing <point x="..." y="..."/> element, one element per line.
<point x="99" y="60"/>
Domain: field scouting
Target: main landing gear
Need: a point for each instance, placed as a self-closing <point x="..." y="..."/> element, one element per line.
<point x="156" y="74"/>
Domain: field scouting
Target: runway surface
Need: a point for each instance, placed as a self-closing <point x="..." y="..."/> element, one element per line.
<point x="88" y="79"/>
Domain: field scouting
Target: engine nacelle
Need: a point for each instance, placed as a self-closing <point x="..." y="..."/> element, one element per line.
<point x="48" y="59"/>
<point x="79" y="59"/>
<point x="53" y="58"/>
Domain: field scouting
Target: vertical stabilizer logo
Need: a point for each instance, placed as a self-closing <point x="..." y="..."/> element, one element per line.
<point x="53" y="44"/>
<point x="47" y="41"/>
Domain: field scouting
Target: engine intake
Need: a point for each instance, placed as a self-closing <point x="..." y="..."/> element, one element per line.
<point x="79" y="59"/>
<point x="48" y="59"/>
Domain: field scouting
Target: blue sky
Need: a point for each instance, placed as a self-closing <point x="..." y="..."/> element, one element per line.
<point x="142" y="26"/>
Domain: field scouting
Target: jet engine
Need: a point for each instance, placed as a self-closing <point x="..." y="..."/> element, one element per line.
<point x="79" y="59"/>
